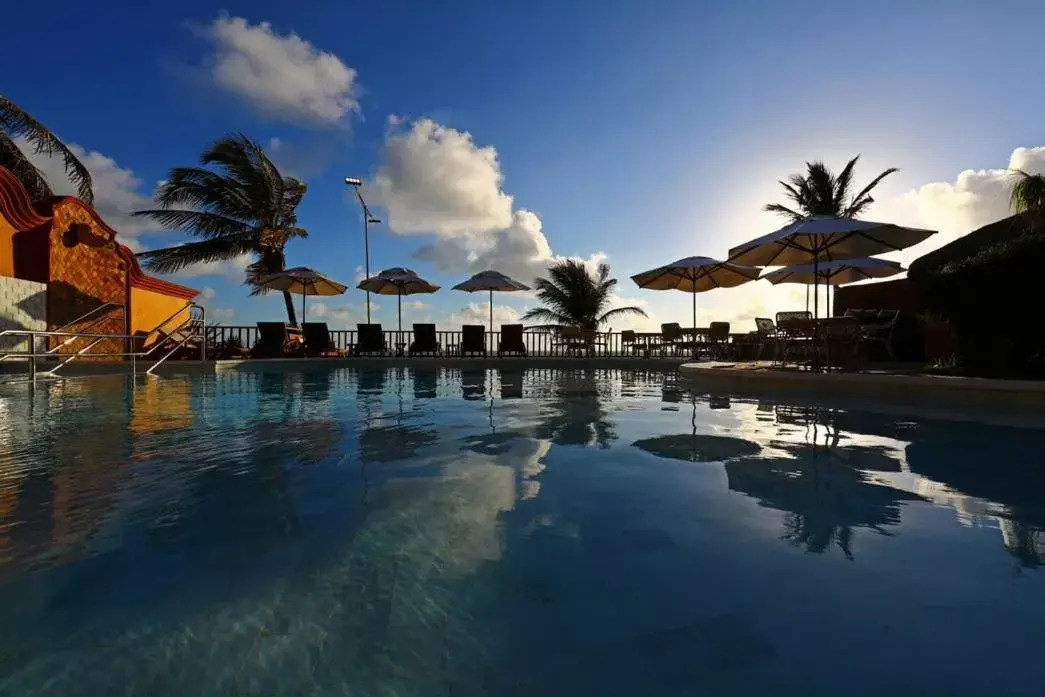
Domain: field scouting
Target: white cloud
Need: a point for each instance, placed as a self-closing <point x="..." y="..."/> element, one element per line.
<point x="281" y="75"/>
<point x="208" y="293"/>
<point x="117" y="190"/>
<point x="316" y="310"/>
<point x="220" y="313"/>
<point x="234" y="269"/>
<point x="436" y="180"/>
<point x="479" y="313"/>
<point x="975" y="198"/>
<point x="414" y="305"/>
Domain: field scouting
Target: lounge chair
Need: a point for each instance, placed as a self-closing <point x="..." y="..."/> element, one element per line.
<point x="511" y="340"/>
<point x="671" y="337"/>
<point x="768" y="336"/>
<point x="473" y="340"/>
<point x="318" y="341"/>
<point x="370" y="340"/>
<point x="797" y="334"/>
<point x="424" y="341"/>
<point x="275" y="341"/>
<point x="717" y="344"/>
<point x="877" y="327"/>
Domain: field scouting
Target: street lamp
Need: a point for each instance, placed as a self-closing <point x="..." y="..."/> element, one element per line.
<point x="368" y="219"/>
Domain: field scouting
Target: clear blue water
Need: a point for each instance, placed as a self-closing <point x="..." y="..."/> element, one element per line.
<point x="335" y="532"/>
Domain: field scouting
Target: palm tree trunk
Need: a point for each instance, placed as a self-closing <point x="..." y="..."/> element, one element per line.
<point x="291" y="315"/>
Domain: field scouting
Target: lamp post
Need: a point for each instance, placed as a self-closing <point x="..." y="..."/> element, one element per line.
<point x="368" y="219"/>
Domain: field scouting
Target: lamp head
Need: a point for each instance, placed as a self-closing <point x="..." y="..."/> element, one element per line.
<point x="353" y="181"/>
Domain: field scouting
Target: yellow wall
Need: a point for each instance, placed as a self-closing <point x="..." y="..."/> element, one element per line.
<point x="149" y="308"/>
<point x="7" y="248"/>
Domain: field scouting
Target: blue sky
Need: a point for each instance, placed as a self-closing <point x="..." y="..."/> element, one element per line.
<point x="638" y="132"/>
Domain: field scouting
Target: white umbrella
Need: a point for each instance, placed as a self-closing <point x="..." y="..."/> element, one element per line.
<point x="301" y="281"/>
<point x="835" y="273"/>
<point x="400" y="282"/>
<point x="491" y="281"/>
<point x="695" y="275"/>
<point x="822" y="238"/>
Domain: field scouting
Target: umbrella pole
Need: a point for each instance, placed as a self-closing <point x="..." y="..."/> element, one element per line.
<point x="303" y="315"/>
<point x="694" y="320"/>
<point x="399" y="295"/>
<point x="491" y="314"/>
<point x="807" y="297"/>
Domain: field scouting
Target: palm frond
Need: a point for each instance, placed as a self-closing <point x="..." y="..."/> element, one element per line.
<point x="174" y="259"/>
<point x="620" y="311"/>
<point x="1028" y="192"/>
<point x="858" y="199"/>
<point x="820" y="192"/>
<point x="16" y="122"/>
<point x="15" y="161"/>
<point x="782" y="210"/>
<point x="199" y="223"/>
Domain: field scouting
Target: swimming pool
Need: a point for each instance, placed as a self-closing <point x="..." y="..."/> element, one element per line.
<point x="540" y="532"/>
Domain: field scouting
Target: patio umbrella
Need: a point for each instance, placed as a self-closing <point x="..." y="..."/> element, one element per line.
<point x="695" y="275"/>
<point x="491" y="281"/>
<point x="397" y="282"/>
<point x="835" y="273"/>
<point x="821" y="238"/>
<point x="301" y="281"/>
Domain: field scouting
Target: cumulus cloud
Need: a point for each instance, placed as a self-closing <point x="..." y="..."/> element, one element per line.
<point x="282" y="75"/>
<point x="479" y="313"/>
<point x="975" y="198"/>
<point x="220" y="313"/>
<point x="233" y="269"/>
<point x="435" y="179"/>
<point x="118" y="192"/>
<point x="207" y="293"/>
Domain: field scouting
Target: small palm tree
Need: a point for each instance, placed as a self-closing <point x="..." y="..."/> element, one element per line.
<point x="1028" y="193"/>
<point x="17" y="123"/>
<point x="574" y="297"/>
<point x="241" y="206"/>
<point x="820" y="192"/>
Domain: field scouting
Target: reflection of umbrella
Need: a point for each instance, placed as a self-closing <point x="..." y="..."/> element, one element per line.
<point x="835" y="273"/>
<point x="397" y="282"/>
<point x="301" y="281"/>
<point x="491" y="281"/>
<point x="824" y="238"/>
<point x="695" y="275"/>
<point x="697" y="448"/>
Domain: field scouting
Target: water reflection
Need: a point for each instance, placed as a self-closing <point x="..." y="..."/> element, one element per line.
<point x="572" y="402"/>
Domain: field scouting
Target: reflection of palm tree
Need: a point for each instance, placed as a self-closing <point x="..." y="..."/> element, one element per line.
<point x="577" y="416"/>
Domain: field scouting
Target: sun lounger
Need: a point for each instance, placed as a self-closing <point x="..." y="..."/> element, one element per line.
<point x="511" y="340"/>
<point x="425" y="342"/>
<point x="318" y="341"/>
<point x="473" y="340"/>
<point x="370" y="340"/>
<point x="275" y="341"/>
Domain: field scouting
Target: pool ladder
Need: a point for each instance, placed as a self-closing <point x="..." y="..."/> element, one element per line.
<point x="192" y="329"/>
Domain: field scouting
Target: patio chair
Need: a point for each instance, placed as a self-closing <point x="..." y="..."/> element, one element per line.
<point x="877" y="327"/>
<point x="318" y="341"/>
<point x="717" y="344"/>
<point x="670" y="337"/>
<point x="275" y="341"/>
<point x="797" y="334"/>
<point x="843" y="347"/>
<point x="511" y="341"/>
<point x="370" y="340"/>
<point x="629" y="343"/>
<point x="768" y="336"/>
<point x="573" y="340"/>
<point x="473" y="340"/>
<point x="425" y="341"/>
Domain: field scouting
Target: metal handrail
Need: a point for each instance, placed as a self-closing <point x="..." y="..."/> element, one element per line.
<point x="87" y="314"/>
<point x="81" y="318"/>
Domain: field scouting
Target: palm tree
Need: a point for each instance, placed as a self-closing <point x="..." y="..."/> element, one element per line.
<point x="17" y="123"/>
<point x="574" y="297"/>
<point x="1028" y="194"/>
<point x="820" y="192"/>
<point x="243" y="205"/>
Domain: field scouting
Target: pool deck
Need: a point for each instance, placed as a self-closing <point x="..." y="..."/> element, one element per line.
<point x="905" y="387"/>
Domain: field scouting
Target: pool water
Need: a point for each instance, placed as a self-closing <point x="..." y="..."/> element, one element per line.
<point x="439" y="532"/>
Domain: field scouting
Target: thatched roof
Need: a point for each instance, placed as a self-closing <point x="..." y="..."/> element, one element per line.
<point x="999" y="239"/>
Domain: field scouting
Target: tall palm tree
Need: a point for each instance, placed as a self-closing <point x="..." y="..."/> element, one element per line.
<point x="820" y="192"/>
<point x="17" y="123"/>
<point x="1028" y="194"/>
<point x="574" y="297"/>
<point x="242" y="205"/>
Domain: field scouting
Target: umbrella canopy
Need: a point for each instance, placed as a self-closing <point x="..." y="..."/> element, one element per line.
<point x="820" y="238"/>
<point x="301" y="281"/>
<point x="837" y="272"/>
<point x="491" y="281"/>
<point x="399" y="282"/>
<point x="695" y="275"/>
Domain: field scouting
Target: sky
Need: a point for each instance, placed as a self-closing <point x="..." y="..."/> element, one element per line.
<point x="508" y="135"/>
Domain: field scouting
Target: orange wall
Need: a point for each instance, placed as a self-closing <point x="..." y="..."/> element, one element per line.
<point x="7" y="254"/>
<point x="149" y="308"/>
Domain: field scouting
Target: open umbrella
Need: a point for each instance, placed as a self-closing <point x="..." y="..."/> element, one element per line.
<point x="301" y="281"/>
<point x="835" y="273"/>
<point x="491" y="281"/>
<point x="399" y="282"/>
<point x="821" y="238"/>
<point x="695" y="275"/>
